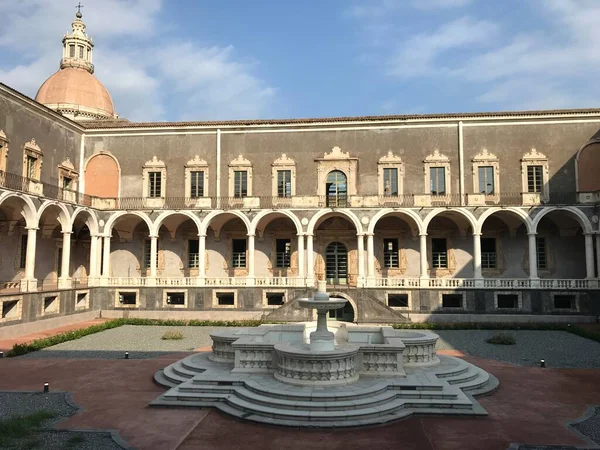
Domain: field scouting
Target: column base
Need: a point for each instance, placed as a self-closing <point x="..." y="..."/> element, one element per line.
<point x="479" y="283"/>
<point x="201" y="281"/>
<point x="65" y="283"/>
<point x="250" y="281"/>
<point x="151" y="281"/>
<point x="29" y="285"/>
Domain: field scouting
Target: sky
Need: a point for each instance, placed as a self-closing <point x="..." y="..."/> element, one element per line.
<point x="238" y="59"/>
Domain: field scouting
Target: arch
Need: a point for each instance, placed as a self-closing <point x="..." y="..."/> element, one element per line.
<point x="324" y="212"/>
<point x="285" y="212"/>
<point x="578" y="214"/>
<point x="111" y="221"/>
<point x="406" y="212"/>
<point x="29" y="211"/>
<point x="108" y="183"/>
<point x="516" y="211"/>
<point x="350" y="300"/>
<point x="336" y="188"/>
<point x="64" y="218"/>
<point x="213" y="214"/>
<point x="160" y="219"/>
<point x="462" y="211"/>
<point x="95" y="227"/>
<point x="586" y="172"/>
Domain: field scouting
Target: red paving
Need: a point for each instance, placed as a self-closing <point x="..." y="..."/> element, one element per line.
<point x="532" y="405"/>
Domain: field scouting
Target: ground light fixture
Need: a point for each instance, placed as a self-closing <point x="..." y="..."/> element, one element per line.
<point x="542" y="363"/>
<point x="46" y="387"/>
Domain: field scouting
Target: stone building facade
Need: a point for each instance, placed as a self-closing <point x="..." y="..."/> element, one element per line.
<point x="425" y="217"/>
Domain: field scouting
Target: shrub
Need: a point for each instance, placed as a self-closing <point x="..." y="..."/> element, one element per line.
<point x="502" y="339"/>
<point x="22" y="427"/>
<point x="172" y="335"/>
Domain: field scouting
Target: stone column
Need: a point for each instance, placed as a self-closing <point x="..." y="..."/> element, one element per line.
<point x="423" y="255"/>
<point x="30" y="281"/>
<point x="93" y="257"/>
<point x="106" y="257"/>
<point x="301" y="265"/>
<point x="310" y="263"/>
<point x="477" y="256"/>
<point x="64" y="282"/>
<point x="370" y="256"/>
<point x="153" y="255"/>
<point x="201" y="259"/>
<point x="589" y="256"/>
<point x="533" y="269"/>
<point x="360" y="246"/>
<point x="250" y="259"/>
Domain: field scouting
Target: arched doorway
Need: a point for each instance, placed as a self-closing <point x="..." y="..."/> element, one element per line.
<point x="336" y="263"/>
<point x="345" y="314"/>
<point x="102" y="176"/>
<point x="337" y="189"/>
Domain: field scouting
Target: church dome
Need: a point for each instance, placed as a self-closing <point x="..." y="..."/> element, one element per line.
<point x="76" y="89"/>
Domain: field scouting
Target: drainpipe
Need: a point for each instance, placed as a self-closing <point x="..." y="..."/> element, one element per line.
<point x="461" y="164"/>
<point x="81" y="180"/>
<point x="218" y="191"/>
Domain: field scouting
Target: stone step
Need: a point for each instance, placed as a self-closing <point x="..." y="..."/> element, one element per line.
<point x="170" y="373"/>
<point x="299" y="393"/>
<point x="474" y="383"/>
<point x="183" y="371"/>
<point x="161" y="379"/>
<point x="459" y="370"/>
<point x="470" y="375"/>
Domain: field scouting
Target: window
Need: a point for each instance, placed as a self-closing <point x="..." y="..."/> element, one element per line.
<point x="336" y="189"/>
<point x="225" y="298"/>
<point x="488" y="253"/>
<point x="240" y="183"/>
<point x="238" y="253"/>
<point x="51" y="305"/>
<point x="193" y="254"/>
<point x="23" y="259"/>
<point x="275" y="298"/>
<point x="154" y="184"/>
<point x="564" y="301"/>
<point x="535" y="180"/>
<point x="72" y="50"/>
<point x="390" y="181"/>
<point x="127" y="298"/>
<point x="176" y="298"/>
<point x="397" y="300"/>
<point x="81" y="51"/>
<point x="197" y="184"/>
<point x="67" y="183"/>
<point x="437" y="176"/>
<point x="452" y="300"/>
<point x="284" y="252"/>
<point x="59" y="253"/>
<point x="284" y="183"/>
<point x="10" y="310"/>
<point x="439" y="253"/>
<point x="508" y="301"/>
<point x="147" y="253"/>
<point x="540" y="251"/>
<point x="486" y="180"/>
<point x="31" y="167"/>
<point x="390" y="254"/>
<point x="81" y="301"/>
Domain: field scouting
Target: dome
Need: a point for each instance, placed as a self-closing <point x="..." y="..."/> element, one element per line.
<point x="77" y="91"/>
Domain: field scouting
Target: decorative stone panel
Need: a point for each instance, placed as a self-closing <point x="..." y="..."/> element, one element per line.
<point x="437" y="159"/>
<point x="535" y="159"/>
<point x="283" y="163"/>
<point x="485" y="159"/>
<point x="154" y="165"/>
<point x="390" y="161"/>
<point x="337" y="160"/>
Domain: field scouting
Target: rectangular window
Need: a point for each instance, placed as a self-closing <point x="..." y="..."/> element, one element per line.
<point x="10" y="310"/>
<point x="31" y="163"/>
<point x="508" y="301"/>
<point x="564" y="301"/>
<point x="155" y="184"/>
<point x="488" y="253"/>
<point x="127" y="298"/>
<point x="439" y="253"/>
<point x="284" y="252"/>
<point x="452" y="301"/>
<point x="284" y="183"/>
<point x="390" y="254"/>
<point x="67" y="183"/>
<point x="81" y="51"/>
<point x="486" y="180"/>
<point x="535" y="179"/>
<point x="59" y="254"/>
<point x="390" y="181"/>
<point x="72" y="51"/>
<point x="197" y="184"/>
<point x="82" y="301"/>
<point x="275" y="298"/>
<point x="238" y="253"/>
<point x="225" y="298"/>
<point x="193" y="254"/>
<point x="438" y="180"/>
<point x="23" y="259"/>
<point x="397" y="300"/>
<point x="51" y="305"/>
<point x="147" y="253"/>
<point x="540" y="250"/>
<point x="240" y="183"/>
<point x="175" y="298"/>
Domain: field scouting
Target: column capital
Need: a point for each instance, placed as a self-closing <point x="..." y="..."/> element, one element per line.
<point x="153" y="236"/>
<point x="532" y="234"/>
<point x="422" y="234"/>
<point x="477" y="234"/>
<point x="309" y="234"/>
<point x="201" y="235"/>
<point x="367" y="234"/>
<point x="360" y="234"/>
<point x="250" y="234"/>
<point x="66" y="232"/>
<point x="31" y="228"/>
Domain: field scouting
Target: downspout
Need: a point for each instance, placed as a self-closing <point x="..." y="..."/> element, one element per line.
<point x="461" y="164"/>
<point x="218" y="190"/>
<point x="81" y="165"/>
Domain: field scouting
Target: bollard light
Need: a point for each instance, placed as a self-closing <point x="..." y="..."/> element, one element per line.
<point x="46" y="387"/>
<point x="1" y="354"/>
<point x="126" y="355"/>
<point x="542" y="363"/>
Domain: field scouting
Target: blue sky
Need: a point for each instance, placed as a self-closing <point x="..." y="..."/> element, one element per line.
<point x="201" y="60"/>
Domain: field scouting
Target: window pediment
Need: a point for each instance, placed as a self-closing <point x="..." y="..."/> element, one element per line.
<point x="390" y="158"/>
<point x="534" y="156"/>
<point x="31" y="146"/>
<point x="336" y="154"/>
<point x="284" y="161"/>
<point x="196" y="162"/>
<point x="240" y="161"/>
<point x="485" y="156"/>
<point x="155" y="162"/>
<point x="437" y="158"/>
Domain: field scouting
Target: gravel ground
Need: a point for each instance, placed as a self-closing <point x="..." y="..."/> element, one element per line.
<point x="590" y="428"/>
<point x="558" y="348"/>
<point x="140" y="341"/>
<point x="19" y="404"/>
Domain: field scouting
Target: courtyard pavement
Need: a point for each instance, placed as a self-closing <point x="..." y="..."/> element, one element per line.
<point x="533" y="406"/>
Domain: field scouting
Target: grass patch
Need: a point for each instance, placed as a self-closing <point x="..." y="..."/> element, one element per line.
<point x="172" y="335"/>
<point x="502" y="339"/>
<point x="22" y="427"/>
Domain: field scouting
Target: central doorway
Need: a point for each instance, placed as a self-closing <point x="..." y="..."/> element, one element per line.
<point x="336" y="263"/>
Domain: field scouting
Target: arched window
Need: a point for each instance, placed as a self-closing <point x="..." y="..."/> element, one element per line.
<point x="336" y="263"/>
<point x="337" y="189"/>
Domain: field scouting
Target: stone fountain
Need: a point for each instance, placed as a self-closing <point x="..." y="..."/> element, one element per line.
<point x="307" y="375"/>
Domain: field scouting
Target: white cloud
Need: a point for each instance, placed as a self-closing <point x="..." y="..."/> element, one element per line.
<point x="144" y="74"/>
<point x="372" y="9"/>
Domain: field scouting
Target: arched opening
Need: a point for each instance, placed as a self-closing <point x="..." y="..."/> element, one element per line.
<point x="336" y="188"/>
<point x="130" y="255"/>
<point x="588" y="167"/>
<point x="13" y="242"/>
<point x="396" y="247"/>
<point x="179" y="248"/>
<point x="102" y="176"/>
<point x="345" y="314"/>
<point x="276" y="252"/>
<point x="227" y="246"/>
<point x="336" y="264"/>
<point x="49" y="248"/>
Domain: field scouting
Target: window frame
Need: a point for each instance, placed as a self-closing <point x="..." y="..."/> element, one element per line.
<point x="283" y="164"/>
<point x="237" y="257"/>
<point x="240" y="164"/>
<point x="154" y="166"/>
<point x="437" y="160"/>
<point x="483" y="160"/>
<point x="484" y="260"/>
<point x="435" y="264"/>
<point x="197" y="165"/>
<point x="388" y="255"/>
<point x="534" y="158"/>
<point x="286" y="255"/>
<point x="33" y="151"/>
<point x="386" y="163"/>
<point x="3" y="151"/>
